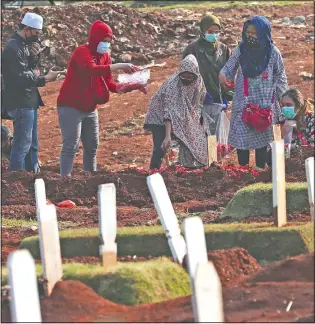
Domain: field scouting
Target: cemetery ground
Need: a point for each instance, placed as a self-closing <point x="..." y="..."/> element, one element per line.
<point x="249" y="253"/>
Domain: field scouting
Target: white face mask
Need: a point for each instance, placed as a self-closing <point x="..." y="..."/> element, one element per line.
<point x="103" y="47"/>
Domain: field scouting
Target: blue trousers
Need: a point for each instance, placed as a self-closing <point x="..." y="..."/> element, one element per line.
<point x="24" y="150"/>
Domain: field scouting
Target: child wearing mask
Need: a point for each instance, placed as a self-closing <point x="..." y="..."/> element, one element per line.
<point x="295" y="107"/>
<point x="175" y="111"/>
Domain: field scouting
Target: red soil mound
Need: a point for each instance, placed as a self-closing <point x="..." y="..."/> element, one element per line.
<point x="299" y="268"/>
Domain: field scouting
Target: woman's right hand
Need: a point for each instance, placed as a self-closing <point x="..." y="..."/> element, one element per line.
<point x="166" y="143"/>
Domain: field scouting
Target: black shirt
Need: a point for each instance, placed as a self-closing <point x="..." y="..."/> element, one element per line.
<point x="19" y="82"/>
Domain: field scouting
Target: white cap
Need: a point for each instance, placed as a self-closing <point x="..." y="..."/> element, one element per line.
<point x="33" y="20"/>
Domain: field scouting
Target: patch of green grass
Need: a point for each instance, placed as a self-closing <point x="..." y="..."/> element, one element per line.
<point x="166" y="5"/>
<point x="256" y="200"/>
<point x="12" y="222"/>
<point x="262" y="240"/>
<point x="129" y="283"/>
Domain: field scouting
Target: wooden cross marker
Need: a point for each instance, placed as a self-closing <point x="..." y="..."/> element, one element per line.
<point x="212" y="149"/>
<point x="309" y="167"/>
<point x="49" y="246"/>
<point x="24" y="303"/>
<point x="204" y="280"/>
<point x="40" y="193"/>
<point x="278" y="184"/>
<point x="107" y="223"/>
<point x="164" y="208"/>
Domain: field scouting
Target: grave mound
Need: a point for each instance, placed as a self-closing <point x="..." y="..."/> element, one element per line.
<point x="232" y="265"/>
<point x="299" y="268"/>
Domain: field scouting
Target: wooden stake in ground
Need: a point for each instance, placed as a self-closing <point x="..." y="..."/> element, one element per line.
<point x="204" y="281"/>
<point x="309" y="167"/>
<point x="212" y="149"/>
<point x="24" y="303"/>
<point x="40" y="193"/>
<point x="278" y="184"/>
<point x="49" y="246"/>
<point x="107" y="223"/>
<point x="277" y="132"/>
<point x="164" y="208"/>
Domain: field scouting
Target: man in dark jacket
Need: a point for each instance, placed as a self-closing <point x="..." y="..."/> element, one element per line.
<point x="211" y="56"/>
<point x="21" y="97"/>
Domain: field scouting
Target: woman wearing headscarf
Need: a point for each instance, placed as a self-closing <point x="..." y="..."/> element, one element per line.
<point x="174" y="111"/>
<point x="211" y="56"/>
<point x="88" y="83"/>
<point x="261" y="81"/>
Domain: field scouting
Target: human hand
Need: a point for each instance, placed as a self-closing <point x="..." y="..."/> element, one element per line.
<point x="166" y="143"/>
<point x="225" y="82"/>
<point x="128" y="68"/>
<point x="52" y="75"/>
<point x="34" y="49"/>
<point x="36" y="73"/>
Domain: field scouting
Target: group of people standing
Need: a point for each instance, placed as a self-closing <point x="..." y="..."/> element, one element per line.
<point x="252" y="76"/>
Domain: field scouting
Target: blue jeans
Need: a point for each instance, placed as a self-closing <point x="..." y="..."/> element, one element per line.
<point x="76" y="125"/>
<point x="24" y="150"/>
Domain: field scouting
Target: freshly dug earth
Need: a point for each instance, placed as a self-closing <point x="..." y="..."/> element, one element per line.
<point x="72" y="301"/>
<point x="299" y="268"/>
<point x="215" y="185"/>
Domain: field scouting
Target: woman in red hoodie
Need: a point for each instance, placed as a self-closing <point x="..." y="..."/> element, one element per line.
<point x="88" y="83"/>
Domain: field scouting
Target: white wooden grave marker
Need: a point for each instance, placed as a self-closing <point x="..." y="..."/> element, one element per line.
<point x="24" y="304"/>
<point x="208" y="295"/>
<point x="107" y="223"/>
<point x="204" y="280"/>
<point x="278" y="184"/>
<point x="49" y="246"/>
<point x="196" y="244"/>
<point x="164" y="208"/>
<point x="40" y="193"/>
<point x="309" y="167"/>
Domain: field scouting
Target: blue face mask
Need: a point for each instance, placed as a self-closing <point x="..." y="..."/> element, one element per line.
<point x="212" y="38"/>
<point x="288" y="112"/>
<point x="103" y="47"/>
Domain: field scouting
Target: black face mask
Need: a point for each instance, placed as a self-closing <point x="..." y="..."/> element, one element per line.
<point x="252" y="41"/>
<point x="186" y="82"/>
<point x="32" y="39"/>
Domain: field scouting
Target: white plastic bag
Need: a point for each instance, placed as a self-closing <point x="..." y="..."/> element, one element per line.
<point x="222" y="135"/>
<point x="142" y="77"/>
<point x="211" y="115"/>
<point x="287" y="129"/>
<point x="222" y="129"/>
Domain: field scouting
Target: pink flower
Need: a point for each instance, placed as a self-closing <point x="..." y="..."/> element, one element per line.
<point x="264" y="76"/>
<point x="304" y="142"/>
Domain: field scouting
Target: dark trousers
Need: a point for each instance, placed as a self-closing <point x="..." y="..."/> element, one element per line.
<point x="158" y="134"/>
<point x="260" y="155"/>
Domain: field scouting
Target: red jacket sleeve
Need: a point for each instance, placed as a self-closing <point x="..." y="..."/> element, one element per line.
<point x="111" y="84"/>
<point x="84" y="60"/>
